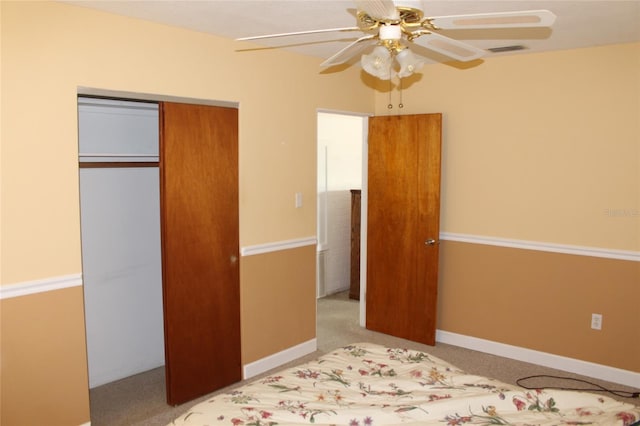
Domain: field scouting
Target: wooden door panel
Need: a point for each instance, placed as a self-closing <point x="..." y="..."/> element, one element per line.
<point x="200" y="244"/>
<point x="403" y="212"/>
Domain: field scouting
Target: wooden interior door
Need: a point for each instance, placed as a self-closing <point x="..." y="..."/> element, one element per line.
<point x="200" y="248"/>
<point x="403" y="225"/>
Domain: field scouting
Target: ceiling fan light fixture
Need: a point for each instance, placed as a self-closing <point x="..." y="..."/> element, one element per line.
<point x="390" y="32"/>
<point x="378" y="63"/>
<point x="409" y="63"/>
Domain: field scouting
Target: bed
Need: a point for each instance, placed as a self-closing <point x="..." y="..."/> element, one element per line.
<point x="371" y="385"/>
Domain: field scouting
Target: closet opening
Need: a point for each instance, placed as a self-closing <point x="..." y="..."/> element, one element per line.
<point x="120" y="231"/>
<point x="150" y="249"/>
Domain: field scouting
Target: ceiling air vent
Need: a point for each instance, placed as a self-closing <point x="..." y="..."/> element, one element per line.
<point x="506" y="48"/>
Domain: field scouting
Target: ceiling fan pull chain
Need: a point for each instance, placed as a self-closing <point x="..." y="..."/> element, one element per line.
<point x="400" y="105"/>
<point x="390" y="105"/>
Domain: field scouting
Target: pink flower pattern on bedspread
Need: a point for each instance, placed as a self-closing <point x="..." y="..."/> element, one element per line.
<point x="370" y="385"/>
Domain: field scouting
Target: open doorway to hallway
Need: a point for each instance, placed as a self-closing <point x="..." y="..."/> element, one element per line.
<point x="341" y="177"/>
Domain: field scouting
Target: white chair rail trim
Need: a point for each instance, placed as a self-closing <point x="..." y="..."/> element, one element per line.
<point x="542" y="246"/>
<point x="65" y="281"/>
<point x="38" y="286"/>
<point x="277" y="246"/>
<point x="72" y="280"/>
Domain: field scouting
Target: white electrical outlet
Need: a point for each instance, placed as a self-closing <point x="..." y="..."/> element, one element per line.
<point x="596" y="321"/>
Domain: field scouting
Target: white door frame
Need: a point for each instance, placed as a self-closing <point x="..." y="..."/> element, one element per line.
<point x="363" y="221"/>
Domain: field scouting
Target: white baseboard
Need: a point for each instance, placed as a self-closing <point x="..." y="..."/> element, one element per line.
<point x="277" y="359"/>
<point x="589" y="369"/>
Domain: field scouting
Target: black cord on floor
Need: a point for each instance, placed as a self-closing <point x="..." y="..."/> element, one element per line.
<point x="596" y="387"/>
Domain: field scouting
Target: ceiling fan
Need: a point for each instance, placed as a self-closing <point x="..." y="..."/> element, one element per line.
<point x="394" y="29"/>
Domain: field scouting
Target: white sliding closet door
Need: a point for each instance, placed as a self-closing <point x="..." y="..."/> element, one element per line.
<point x="121" y="251"/>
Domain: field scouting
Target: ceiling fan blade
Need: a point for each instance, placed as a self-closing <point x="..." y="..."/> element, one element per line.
<point x="379" y="9"/>
<point x="348" y="52"/>
<point x="447" y="46"/>
<point x="328" y="30"/>
<point x="523" y="18"/>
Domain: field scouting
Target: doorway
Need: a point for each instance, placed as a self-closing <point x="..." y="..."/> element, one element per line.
<point x="341" y="169"/>
<point x="423" y="131"/>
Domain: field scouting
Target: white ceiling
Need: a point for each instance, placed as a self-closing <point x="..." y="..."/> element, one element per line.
<point x="581" y="23"/>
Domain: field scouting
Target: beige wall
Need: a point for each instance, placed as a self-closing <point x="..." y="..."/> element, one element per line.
<point x="44" y="376"/>
<point x="542" y="301"/>
<point x="543" y="148"/>
<point x="282" y="282"/>
<point x="49" y="50"/>
<point x="539" y="147"/>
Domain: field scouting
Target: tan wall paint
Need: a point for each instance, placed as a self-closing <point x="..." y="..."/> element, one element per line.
<point x="540" y="147"/>
<point x="49" y="49"/>
<point x="586" y="99"/>
<point x="279" y="307"/>
<point x="44" y="379"/>
<point x="542" y="301"/>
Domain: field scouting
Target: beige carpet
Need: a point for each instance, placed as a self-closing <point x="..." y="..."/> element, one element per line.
<point x="140" y="400"/>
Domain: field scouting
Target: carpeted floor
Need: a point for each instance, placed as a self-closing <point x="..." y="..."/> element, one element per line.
<point x="140" y="400"/>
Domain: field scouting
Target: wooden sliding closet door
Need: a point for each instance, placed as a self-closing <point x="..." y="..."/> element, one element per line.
<point x="200" y="248"/>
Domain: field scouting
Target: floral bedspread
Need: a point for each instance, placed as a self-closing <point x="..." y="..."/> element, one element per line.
<point x="370" y="385"/>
